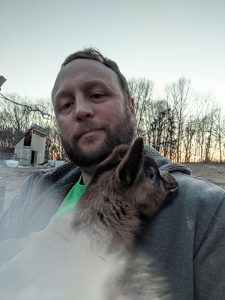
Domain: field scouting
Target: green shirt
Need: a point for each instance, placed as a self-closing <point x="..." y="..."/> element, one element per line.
<point x="71" y="199"/>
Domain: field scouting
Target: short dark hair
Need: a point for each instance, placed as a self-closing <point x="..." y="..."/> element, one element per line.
<point x="94" y="54"/>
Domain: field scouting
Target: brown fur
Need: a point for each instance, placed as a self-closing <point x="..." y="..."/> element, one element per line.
<point x="126" y="186"/>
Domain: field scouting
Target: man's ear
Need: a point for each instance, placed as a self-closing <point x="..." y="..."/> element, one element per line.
<point x="131" y="105"/>
<point x="132" y="164"/>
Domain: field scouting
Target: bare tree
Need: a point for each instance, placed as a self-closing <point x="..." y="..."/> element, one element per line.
<point x="160" y="127"/>
<point x="178" y="95"/>
<point x="190" y="130"/>
<point x="220" y="132"/>
<point x="141" y="90"/>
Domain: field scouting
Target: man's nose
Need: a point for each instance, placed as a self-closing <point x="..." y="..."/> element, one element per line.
<point x="83" y="109"/>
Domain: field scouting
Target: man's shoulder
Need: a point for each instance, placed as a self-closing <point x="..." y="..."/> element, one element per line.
<point x="199" y="204"/>
<point x="64" y="171"/>
<point x="48" y="182"/>
<point x="198" y="190"/>
<point x="193" y="193"/>
<point x="197" y="209"/>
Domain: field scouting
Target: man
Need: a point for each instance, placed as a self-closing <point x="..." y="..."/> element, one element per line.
<point x="95" y="112"/>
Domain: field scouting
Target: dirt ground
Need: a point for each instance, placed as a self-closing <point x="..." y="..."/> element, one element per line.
<point x="12" y="178"/>
<point x="213" y="172"/>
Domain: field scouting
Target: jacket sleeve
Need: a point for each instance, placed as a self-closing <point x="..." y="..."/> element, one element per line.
<point x="209" y="260"/>
<point x="13" y="219"/>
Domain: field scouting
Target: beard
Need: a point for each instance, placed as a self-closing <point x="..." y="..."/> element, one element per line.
<point x="122" y="133"/>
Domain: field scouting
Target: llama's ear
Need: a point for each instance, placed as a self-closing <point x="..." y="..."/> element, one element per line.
<point x="169" y="181"/>
<point x="131" y="165"/>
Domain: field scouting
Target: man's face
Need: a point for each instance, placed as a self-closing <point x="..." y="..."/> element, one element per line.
<point x="92" y="114"/>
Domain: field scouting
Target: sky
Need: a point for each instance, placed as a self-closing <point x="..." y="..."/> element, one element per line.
<point x="161" y="40"/>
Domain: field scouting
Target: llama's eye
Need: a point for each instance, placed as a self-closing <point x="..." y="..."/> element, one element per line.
<point x="150" y="172"/>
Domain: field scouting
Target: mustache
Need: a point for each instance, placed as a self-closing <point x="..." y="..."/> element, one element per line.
<point x="86" y="128"/>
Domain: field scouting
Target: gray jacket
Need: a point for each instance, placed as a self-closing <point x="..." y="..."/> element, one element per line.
<point x="186" y="238"/>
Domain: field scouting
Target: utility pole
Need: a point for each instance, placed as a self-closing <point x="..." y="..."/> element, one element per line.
<point x="2" y="80"/>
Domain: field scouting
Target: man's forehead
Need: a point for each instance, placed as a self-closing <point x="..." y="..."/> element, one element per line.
<point x="85" y="70"/>
<point x="89" y="67"/>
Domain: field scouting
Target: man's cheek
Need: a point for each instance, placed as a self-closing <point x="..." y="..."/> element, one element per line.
<point x="65" y="127"/>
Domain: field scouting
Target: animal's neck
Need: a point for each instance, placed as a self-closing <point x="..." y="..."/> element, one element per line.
<point x="88" y="173"/>
<point x="104" y="212"/>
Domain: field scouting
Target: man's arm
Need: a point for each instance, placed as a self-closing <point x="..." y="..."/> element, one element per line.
<point x="13" y="219"/>
<point x="209" y="261"/>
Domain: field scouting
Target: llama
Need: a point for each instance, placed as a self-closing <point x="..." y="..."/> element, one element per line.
<point x="91" y="253"/>
<point x="127" y="185"/>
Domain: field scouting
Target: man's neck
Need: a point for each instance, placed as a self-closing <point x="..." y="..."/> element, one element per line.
<point x="88" y="173"/>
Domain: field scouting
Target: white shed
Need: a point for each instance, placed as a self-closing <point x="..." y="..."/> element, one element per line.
<point x="30" y="150"/>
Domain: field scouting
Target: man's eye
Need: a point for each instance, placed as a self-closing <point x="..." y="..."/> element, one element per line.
<point x="97" y="96"/>
<point x="66" y="105"/>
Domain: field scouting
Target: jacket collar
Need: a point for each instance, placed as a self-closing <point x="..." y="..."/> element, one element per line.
<point x="165" y="164"/>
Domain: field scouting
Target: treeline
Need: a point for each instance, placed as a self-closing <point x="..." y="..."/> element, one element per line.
<point x="180" y="125"/>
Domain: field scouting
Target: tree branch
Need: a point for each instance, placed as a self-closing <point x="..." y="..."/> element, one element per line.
<point x="31" y="108"/>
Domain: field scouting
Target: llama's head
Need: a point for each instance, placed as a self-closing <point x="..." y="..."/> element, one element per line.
<point x="145" y="183"/>
<point x="130" y="173"/>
